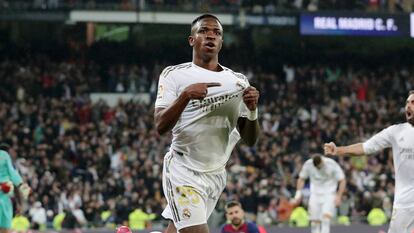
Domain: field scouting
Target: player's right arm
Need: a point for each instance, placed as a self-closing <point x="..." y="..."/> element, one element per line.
<point x="166" y="117"/>
<point x="300" y="183"/>
<point x="375" y="144"/>
<point x="299" y="187"/>
<point x="354" y="149"/>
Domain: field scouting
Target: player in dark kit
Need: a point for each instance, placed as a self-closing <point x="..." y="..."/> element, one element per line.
<point x="235" y="214"/>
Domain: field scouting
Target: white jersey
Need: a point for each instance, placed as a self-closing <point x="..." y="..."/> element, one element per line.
<point x="401" y="138"/>
<point x="324" y="180"/>
<point x="206" y="133"/>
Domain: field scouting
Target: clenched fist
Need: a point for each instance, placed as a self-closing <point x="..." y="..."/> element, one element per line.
<point x="330" y="149"/>
<point x="251" y="98"/>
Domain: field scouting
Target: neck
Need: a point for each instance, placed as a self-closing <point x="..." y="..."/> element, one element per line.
<point x="209" y="63"/>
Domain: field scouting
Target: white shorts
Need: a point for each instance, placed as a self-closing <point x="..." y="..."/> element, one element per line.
<point x="191" y="195"/>
<point x="320" y="205"/>
<point x="402" y="220"/>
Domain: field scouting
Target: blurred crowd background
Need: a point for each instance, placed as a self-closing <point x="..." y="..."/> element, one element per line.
<point x="92" y="164"/>
<point x="251" y="6"/>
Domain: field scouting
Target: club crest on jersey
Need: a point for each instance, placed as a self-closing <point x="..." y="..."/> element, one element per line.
<point x="241" y="85"/>
<point x="186" y="213"/>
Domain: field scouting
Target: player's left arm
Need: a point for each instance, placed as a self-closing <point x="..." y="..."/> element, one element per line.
<point x="340" y="176"/>
<point x="15" y="177"/>
<point x="340" y="192"/>
<point x="252" y="228"/>
<point x="223" y="229"/>
<point x="249" y="127"/>
<point x="17" y="180"/>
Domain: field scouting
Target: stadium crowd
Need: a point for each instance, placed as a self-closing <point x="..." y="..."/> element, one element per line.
<point x="98" y="163"/>
<point x="250" y="6"/>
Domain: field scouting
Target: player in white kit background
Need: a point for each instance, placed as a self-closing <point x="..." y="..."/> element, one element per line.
<point x="400" y="137"/>
<point x="209" y="108"/>
<point x="324" y="174"/>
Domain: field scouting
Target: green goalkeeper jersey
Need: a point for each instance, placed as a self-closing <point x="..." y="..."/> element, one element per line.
<point x="7" y="171"/>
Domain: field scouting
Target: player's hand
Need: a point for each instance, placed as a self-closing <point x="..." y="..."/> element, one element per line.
<point x="330" y="149"/>
<point x="251" y="98"/>
<point x="338" y="200"/>
<point x="25" y="191"/>
<point x="199" y="90"/>
<point x="294" y="201"/>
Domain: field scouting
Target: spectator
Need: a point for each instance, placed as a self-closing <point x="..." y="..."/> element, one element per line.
<point x="235" y="215"/>
<point x="38" y="216"/>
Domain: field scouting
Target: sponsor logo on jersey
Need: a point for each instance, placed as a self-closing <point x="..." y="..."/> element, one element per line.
<point x="160" y="94"/>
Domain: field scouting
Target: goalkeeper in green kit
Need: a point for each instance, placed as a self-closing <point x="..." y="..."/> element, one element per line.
<point x="9" y="177"/>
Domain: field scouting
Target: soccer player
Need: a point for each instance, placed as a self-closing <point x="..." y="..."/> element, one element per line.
<point x="235" y="215"/>
<point x="209" y="108"/>
<point x="324" y="174"/>
<point x="400" y="137"/>
<point x="9" y="178"/>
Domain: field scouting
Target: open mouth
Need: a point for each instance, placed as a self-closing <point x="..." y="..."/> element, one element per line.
<point x="210" y="45"/>
<point x="408" y="114"/>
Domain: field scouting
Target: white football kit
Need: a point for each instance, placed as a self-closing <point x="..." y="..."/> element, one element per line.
<point x="203" y="139"/>
<point x="323" y="186"/>
<point x="400" y="137"/>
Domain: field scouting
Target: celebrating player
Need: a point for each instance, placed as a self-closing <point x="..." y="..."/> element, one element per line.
<point x="208" y="107"/>
<point x="400" y="137"/>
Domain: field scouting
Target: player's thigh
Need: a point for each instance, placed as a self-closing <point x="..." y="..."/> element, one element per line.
<point x="328" y="206"/>
<point x="6" y="212"/>
<point x="315" y="208"/>
<point x="203" y="228"/>
<point x="187" y="200"/>
<point x="402" y="221"/>
<point x="215" y="186"/>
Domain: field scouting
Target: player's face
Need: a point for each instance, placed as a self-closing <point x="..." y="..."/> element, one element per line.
<point x="409" y="109"/>
<point x="235" y="215"/>
<point x="207" y="37"/>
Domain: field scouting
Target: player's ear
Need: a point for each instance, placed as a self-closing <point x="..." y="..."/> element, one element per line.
<point x="191" y="40"/>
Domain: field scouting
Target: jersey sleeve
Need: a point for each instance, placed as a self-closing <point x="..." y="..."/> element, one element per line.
<point x="223" y="229"/>
<point x="167" y="89"/>
<point x="252" y="228"/>
<point x="15" y="177"/>
<point x="379" y="141"/>
<point x="304" y="172"/>
<point x="339" y="173"/>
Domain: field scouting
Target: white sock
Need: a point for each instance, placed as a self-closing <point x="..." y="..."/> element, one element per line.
<point x="326" y="225"/>
<point x="315" y="227"/>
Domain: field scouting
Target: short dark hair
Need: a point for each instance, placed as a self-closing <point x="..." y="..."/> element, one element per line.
<point x="203" y="16"/>
<point x="316" y="159"/>
<point x="231" y="204"/>
<point x="411" y="92"/>
<point x="5" y="146"/>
